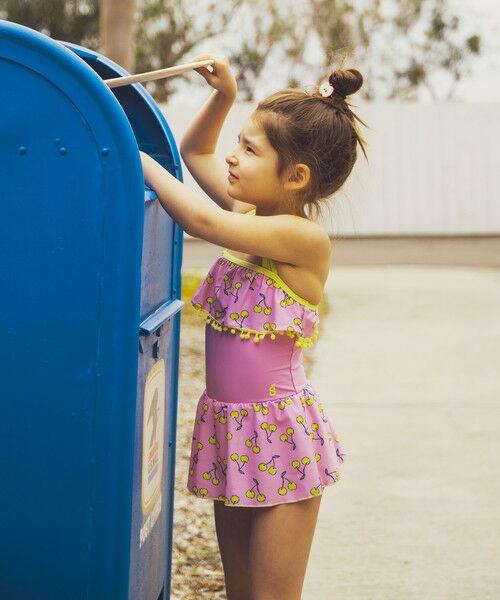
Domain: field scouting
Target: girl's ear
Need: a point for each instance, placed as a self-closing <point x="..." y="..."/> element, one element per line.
<point x="298" y="177"/>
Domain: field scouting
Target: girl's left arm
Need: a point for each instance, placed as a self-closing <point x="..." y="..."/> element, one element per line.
<point x="285" y="238"/>
<point x="182" y="203"/>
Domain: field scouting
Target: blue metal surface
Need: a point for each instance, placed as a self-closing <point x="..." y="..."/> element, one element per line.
<point x="90" y="257"/>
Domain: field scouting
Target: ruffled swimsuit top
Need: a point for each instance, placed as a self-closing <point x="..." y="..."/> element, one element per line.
<point x="253" y="301"/>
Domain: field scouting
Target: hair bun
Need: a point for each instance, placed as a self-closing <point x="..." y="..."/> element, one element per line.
<point x="346" y="82"/>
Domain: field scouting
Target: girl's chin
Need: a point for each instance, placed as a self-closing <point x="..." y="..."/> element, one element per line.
<point x="233" y="193"/>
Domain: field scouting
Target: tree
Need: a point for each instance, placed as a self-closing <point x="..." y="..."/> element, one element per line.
<point x="67" y="20"/>
<point x="403" y="47"/>
<point x="169" y="30"/>
<point x="440" y="49"/>
<point x="116" y="28"/>
<point x="270" y="25"/>
<point x="400" y="45"/>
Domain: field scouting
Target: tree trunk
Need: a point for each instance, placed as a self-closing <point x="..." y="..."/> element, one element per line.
<point x="117" y="32"/>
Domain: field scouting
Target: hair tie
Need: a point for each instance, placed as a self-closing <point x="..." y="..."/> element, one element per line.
<point x="327" y="90"/>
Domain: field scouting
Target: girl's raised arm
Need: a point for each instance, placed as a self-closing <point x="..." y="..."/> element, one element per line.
<point x="198" y="144"/>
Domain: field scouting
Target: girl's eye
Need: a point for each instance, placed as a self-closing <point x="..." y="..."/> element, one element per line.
<point x="250" y="149"/>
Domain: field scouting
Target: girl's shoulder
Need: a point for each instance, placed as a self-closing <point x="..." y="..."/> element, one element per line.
<point x="308" y="282"/>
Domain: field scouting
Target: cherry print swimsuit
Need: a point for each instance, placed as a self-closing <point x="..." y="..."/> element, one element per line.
<point x="261" y="435"/>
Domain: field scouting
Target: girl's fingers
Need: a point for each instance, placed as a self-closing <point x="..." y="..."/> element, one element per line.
<point x="218" y="75"/>
<point x="203" y="71"/>
<point x="202" y="57"/>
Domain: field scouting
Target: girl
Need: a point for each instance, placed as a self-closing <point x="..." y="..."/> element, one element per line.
<point x="263" y="446"/>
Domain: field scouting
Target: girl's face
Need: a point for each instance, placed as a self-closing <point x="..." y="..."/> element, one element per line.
<point x="253" y="168"/>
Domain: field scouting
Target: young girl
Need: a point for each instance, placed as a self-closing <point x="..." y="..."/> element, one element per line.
<point x="263" y="446"/>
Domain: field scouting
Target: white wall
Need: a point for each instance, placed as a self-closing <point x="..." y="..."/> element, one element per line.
<point x="433" y="168"/>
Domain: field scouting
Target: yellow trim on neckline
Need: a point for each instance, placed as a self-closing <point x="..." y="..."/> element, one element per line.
<point x="272" y="275"/>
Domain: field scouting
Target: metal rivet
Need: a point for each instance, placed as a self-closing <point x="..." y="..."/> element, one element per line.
<point x="62" y="151"/>
<point x="105" y="151"/>
<point x="57" y="141"/>
<point x="22" y="150"/>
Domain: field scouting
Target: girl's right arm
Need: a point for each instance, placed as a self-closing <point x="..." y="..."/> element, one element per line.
<point x="198" y="144"/>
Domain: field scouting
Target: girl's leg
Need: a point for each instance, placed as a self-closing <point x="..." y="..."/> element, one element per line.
<point x="232" y="524"/>
<point x="280" y="543"/>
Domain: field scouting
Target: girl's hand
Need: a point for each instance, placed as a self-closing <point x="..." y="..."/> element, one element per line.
<point x="221" y="77"/>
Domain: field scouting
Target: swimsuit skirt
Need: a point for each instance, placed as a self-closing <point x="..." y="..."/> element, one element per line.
<point x="261" y="435"/>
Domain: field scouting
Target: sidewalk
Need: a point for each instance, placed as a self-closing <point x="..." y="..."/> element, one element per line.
<point x="408" y="367"/>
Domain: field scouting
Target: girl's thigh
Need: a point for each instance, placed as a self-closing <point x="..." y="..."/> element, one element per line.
<point x="280" y="543"/>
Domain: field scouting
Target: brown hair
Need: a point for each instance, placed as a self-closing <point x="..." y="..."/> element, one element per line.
<point x="320" y="131"/>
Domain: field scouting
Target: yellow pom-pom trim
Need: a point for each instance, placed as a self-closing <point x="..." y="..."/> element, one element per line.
<point x="245" y="333"/>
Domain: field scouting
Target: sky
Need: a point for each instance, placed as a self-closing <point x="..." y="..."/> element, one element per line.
<point x="481" y="85"/>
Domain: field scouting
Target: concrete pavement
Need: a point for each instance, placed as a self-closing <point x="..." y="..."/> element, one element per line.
<point x="408" y="367"/>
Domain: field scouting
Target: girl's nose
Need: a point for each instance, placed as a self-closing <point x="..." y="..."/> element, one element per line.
<point x="231" y="159"/>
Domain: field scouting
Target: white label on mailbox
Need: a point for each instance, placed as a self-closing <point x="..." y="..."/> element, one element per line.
<point x="152" y="435"/>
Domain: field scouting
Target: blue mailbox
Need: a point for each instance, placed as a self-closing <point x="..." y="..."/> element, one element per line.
<point x="89" y="313"/>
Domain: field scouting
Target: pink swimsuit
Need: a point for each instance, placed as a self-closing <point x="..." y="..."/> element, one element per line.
<point x="261" y="437"/>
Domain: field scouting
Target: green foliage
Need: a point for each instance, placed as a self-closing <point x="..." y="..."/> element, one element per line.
<point x="359" y="32"/>
<point x="426" y="33"/>
<point x="74" y="21"/>
<point x="268" y="25"/>
<point x="474" y="44"/>
<point x="168" y="32"/>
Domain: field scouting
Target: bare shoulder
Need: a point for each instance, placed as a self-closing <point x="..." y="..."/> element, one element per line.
<point x="317" y="246"/>
<point x="285" y="238"/>
<point x="308" y="278"/>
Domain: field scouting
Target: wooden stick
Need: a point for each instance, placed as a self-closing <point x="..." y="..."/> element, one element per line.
<point x="158" y="74"/>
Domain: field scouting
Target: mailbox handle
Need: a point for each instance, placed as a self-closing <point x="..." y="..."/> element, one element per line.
<point x="163" y="313"/>
<point x="158" y="74"/>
